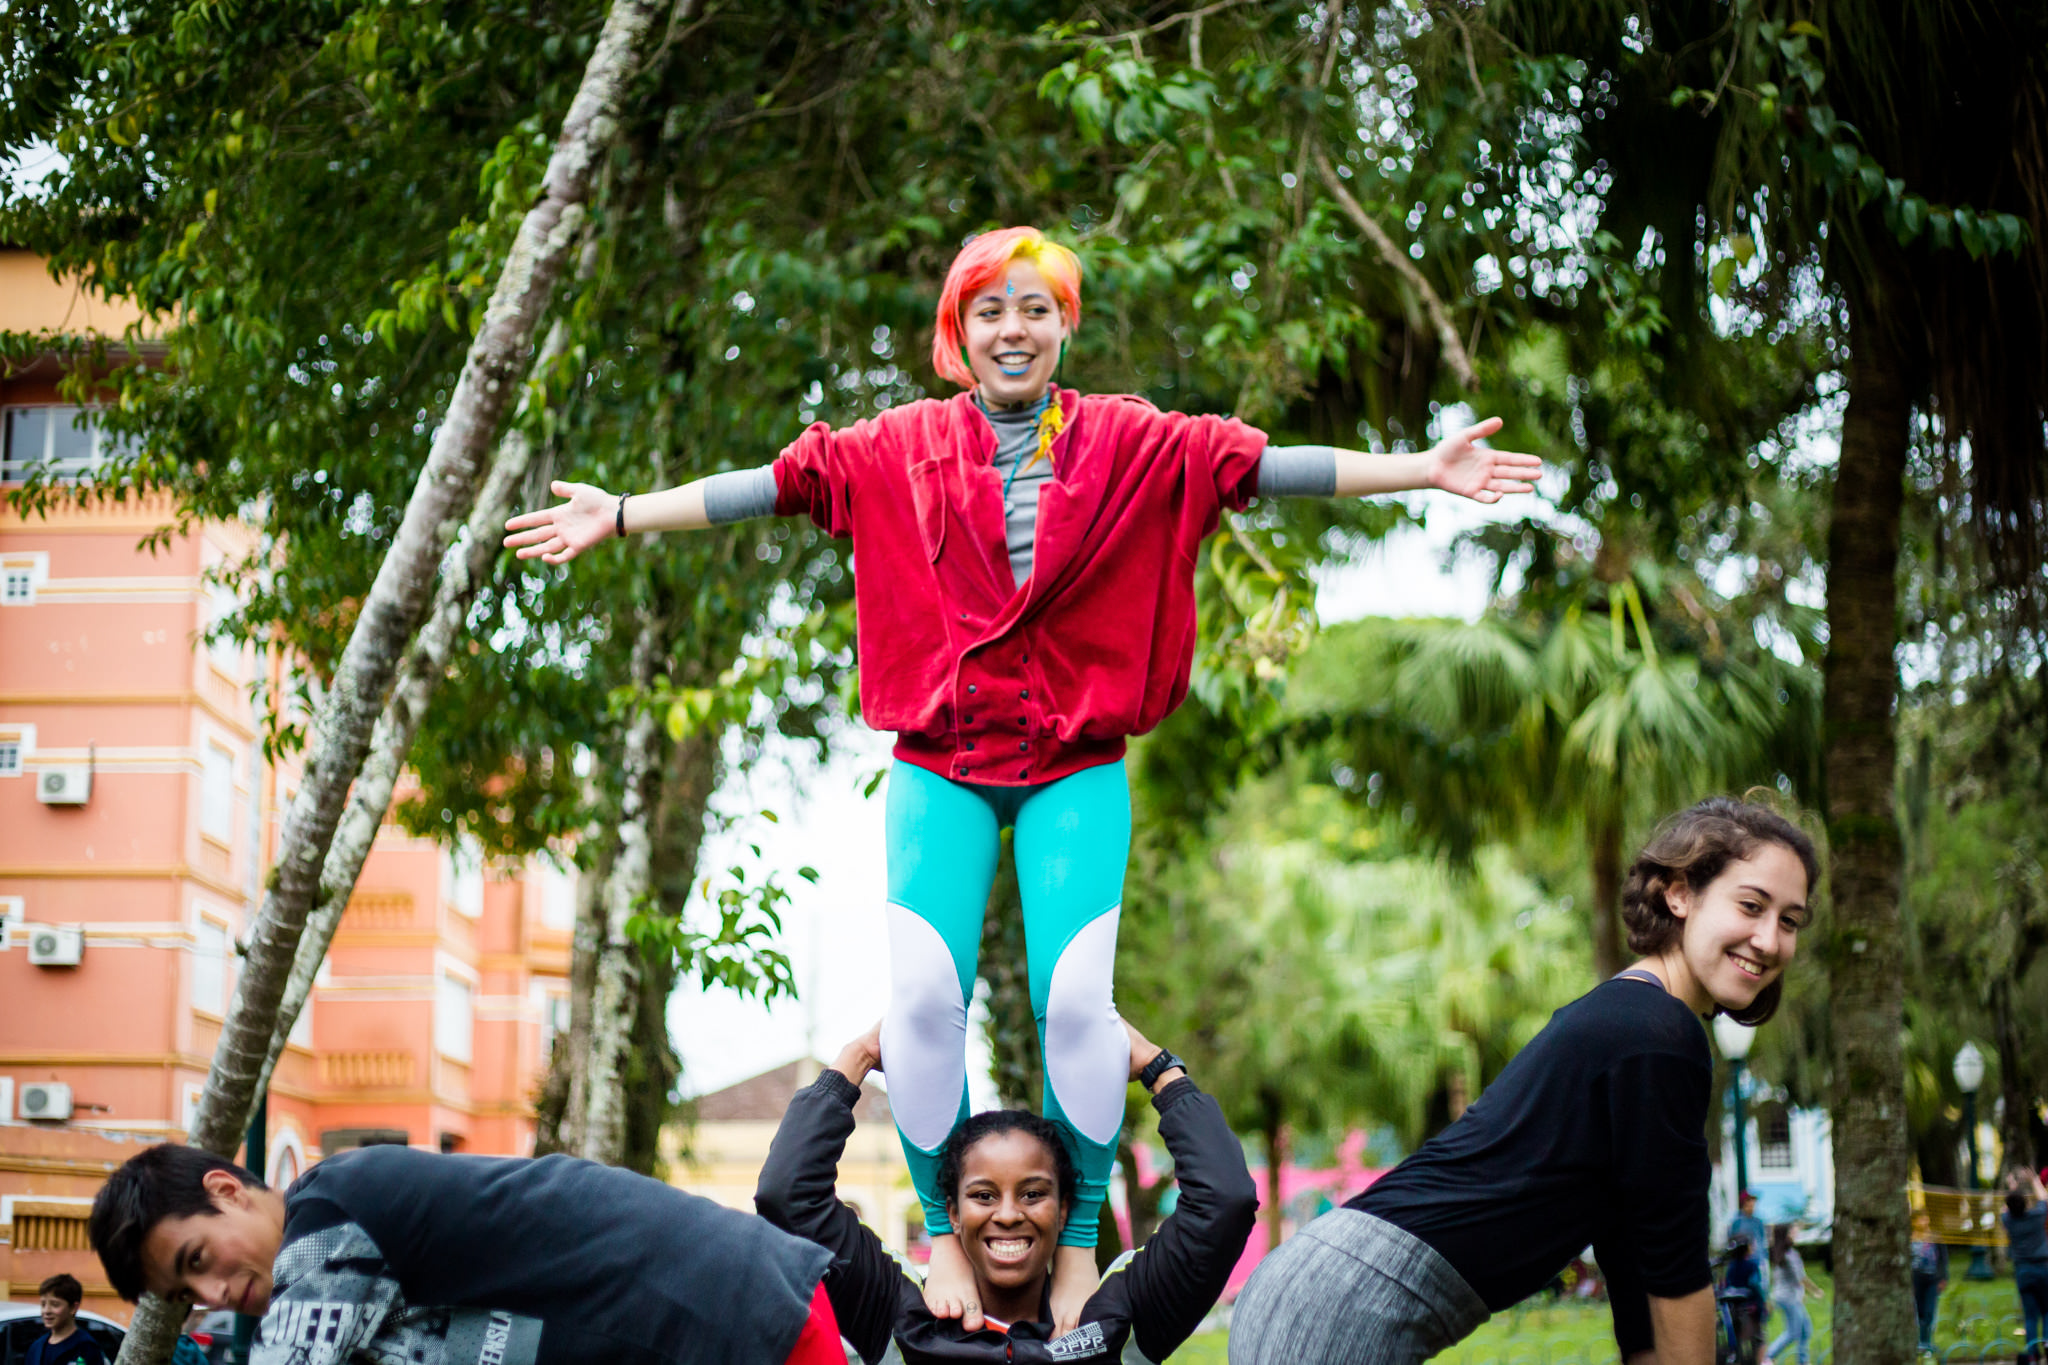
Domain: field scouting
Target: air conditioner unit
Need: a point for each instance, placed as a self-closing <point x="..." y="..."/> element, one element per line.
<point x="54" y="945"/>
<point x="45" y="1100"/>
<point x="64" y="786"/>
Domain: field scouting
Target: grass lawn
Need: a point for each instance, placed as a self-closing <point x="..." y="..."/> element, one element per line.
<point x="1982" y="1318"/>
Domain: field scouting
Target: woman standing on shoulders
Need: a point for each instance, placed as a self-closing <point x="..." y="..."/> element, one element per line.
<point x="1024" y="565"/>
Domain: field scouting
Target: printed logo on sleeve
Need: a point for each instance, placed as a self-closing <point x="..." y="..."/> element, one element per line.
<point x="1084" y="1341"/>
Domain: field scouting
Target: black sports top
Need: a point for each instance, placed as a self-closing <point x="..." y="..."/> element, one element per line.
<point x="1594" y="1134"/>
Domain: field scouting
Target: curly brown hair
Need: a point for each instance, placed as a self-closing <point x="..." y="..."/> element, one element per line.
<point x="1691" y="849"/>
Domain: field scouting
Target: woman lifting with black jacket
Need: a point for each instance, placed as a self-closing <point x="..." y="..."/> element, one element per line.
<point x="1009" y="1184"/>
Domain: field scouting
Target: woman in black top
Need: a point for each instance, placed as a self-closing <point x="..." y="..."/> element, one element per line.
<point x="1009" y="1182"/>
<point x="1594" y="1133"/>
<point x="2026" y="1234"/>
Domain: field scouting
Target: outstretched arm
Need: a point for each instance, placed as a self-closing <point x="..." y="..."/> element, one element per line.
<point x="1458" y="464"/>
<point x="558" y="534"/>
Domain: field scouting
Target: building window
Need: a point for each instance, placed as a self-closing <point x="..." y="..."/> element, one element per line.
<point x="1774" y="1137"/>
<point x="18" y="587"/>
<point x="462" y="876"/>
<point x="17" y="742"/>
<point x="217" y="799"/>
<point x="454" y="1016"/>
<point x="210" y="967"/>
<point x="554" y="1020"/>
<point x="66" y="443"/>
<point x="557" y="897"/>
<point x="221" y="604"/>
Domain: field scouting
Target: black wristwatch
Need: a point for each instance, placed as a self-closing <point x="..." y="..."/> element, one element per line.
<point x="1158" y="1067"/>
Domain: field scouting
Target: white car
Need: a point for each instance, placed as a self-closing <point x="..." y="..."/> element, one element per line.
<point x="22" y="1323"/>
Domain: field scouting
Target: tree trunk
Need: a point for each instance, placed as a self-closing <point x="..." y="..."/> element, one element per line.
<point x="654" y="1067"/>
<point x="566" y="1092"/>
<point x="465" y="568"/>
<point x="441" y="498"/>
<point x="1873" y="1311"/>
<point x="1610" y="952"/>
<point x="2015" y="1085"/>
<point x="1273" y="1131"/>
<point x="616" y="992"/>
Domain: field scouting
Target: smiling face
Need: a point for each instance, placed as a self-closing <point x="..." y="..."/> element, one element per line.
<point x="1740" y="929"/>
<point x="220" y="1259"/>
<point x="58" y="1315"/>
<point x="1008" y="1214"/>
<point x="1013" y="330"/>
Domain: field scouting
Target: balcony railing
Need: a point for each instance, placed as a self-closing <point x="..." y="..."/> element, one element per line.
<point x="366" y="1070"/>
<point x="379" y="910"/>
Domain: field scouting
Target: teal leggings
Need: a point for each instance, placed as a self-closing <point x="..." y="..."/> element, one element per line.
<point x="1072" y="842"/>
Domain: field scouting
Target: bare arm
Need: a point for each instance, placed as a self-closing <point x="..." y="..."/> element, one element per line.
<point x="1684" y="1328"/>
<point x="1458" y="464"/>
<point x="558" y="534"/>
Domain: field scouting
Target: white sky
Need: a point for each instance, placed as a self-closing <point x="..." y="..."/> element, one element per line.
<point x="834" y="931"/>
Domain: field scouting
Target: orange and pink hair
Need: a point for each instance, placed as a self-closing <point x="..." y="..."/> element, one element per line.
<point x="980" y="263"/>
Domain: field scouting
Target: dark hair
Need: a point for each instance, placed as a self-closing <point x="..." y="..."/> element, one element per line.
<point x="2015" y="1203"/>
<point x="1692" y="848"/>
<point x="164" y="1181"/>
<point x="994" y="1123"/>
<point x="1781" y="1242"/>
<point x="65" y="1287"/>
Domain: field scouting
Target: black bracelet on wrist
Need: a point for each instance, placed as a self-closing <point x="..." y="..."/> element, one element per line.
<point x="1158" y="1067"/>
<point x="620" y="520"/>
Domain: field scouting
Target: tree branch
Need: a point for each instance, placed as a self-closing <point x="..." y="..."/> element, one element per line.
<point x="1455" y="354"/>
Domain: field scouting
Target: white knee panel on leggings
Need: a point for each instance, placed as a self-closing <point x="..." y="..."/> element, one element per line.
<point x="924" y="1035"/>
<point x="1087" y="1052"/>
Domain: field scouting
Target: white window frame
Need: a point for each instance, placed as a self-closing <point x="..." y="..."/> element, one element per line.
<point x="21" y="573"/>
<point x="447" y="1033"/>
<point x="252" y="823"/>
<point x="14" y="468"/>
<point x="17" y="742"/>
<point x="13" y="914"/>
<point x="549" y="1003"/>
<point x="462" y="876"/>
<point x="6" y="1099"/>
<point x="286" y="1143"/>
<point x="217" y="822"/>
<point x="188" y="1108"/>
<point x="225" y="655"/>
<point x="215" y="963"/>
<point x="558" y="887"/>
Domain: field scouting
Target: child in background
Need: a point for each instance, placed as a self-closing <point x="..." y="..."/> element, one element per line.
<point x="63" y="1340"/>
<point x="1743" y="1283"/>
<point x="1789" y="1288"/>
<point x="1930" y="1276"/>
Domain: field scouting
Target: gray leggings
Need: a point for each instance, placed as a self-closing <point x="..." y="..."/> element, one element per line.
<point x="1351" y="1289"/>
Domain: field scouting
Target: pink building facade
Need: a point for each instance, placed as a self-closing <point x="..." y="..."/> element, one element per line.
<point x="138" y="817"/>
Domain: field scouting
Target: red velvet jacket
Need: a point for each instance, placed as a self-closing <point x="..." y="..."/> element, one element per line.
<point x="985" y="681"/>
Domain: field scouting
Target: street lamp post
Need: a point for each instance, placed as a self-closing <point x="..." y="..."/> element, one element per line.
<point x="1735" y="1040"/>
<point x="1969" y="1073"/>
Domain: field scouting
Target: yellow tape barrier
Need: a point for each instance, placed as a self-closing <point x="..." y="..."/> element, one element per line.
<point x="1967" y="1218"/>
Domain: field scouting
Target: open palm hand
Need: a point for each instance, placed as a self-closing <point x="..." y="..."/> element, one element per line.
<point x="558" y="534"/>
<point x="1460" y="465"/>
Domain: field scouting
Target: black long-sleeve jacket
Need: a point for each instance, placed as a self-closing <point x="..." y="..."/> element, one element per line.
<point x="1158" y="1295"/>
